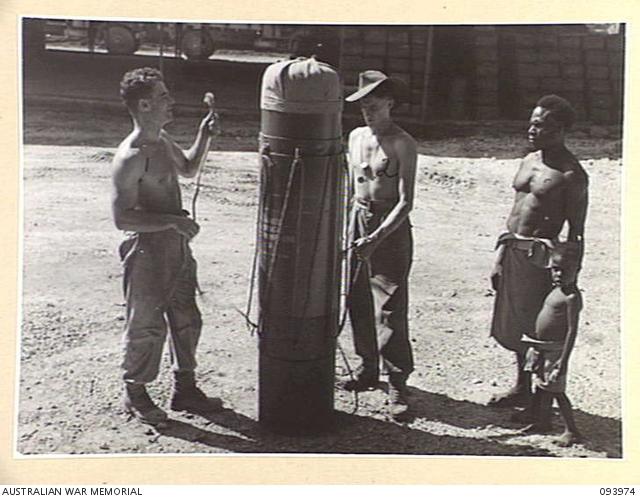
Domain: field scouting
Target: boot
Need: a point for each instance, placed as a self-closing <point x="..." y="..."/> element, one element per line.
<point x="188" y="397"/>
<point x="364" y="378"/>
<point x="139" y="405"/>
<point x="398" y="405"/>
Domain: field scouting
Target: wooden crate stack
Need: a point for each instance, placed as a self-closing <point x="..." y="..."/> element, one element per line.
<point x="585" y="68"/>
<point x="485" y="52"/>
<point x="398" y="51"/>
<point x="568" y="60"/>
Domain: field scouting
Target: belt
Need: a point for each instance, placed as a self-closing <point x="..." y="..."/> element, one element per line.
<point x="543" y="345"/>
<point x="520" y="244"/>
<point x="374" y="205"/>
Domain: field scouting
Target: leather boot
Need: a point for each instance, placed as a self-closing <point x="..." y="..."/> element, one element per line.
<point x="398" y="404"/>
<point x="364" y="378"/>
<point x="138" y="403"/>
<point x="188" y="397"/>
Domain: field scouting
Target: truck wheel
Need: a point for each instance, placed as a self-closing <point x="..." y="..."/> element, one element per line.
<point x="120" y="40"/>
<point x="197" y="44"/>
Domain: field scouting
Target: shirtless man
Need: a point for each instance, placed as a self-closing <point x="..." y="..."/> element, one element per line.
<point x="382" y="166"/>
<point x="551" y="189"/>
<point x="159" y="270"/>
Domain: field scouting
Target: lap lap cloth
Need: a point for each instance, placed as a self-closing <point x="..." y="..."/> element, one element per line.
<point x="378" y="298"/>
<point x="540" y="361"/>
<point x="521" y="289"/>
<point x="159" y="287"/>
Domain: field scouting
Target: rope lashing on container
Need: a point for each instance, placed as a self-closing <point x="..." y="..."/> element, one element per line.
<point x="296" y="169"/>
<point x="265" y="155"/>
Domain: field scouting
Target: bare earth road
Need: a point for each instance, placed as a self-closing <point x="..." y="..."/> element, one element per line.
<point x="73" y="308"/>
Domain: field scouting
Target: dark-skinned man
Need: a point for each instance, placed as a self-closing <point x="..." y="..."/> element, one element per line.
<point x="551" y="190"/>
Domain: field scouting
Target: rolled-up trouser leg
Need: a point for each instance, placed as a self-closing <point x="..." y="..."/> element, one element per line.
<point x="185" y="324"/>
<point x="144" y="334"/>
<point x="185" y="321"/>
<point x="148" y="262"/>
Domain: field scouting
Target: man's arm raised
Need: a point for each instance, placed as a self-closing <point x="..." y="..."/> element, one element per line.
<point x="127" y="172"/>
<point x="187" y="163"/>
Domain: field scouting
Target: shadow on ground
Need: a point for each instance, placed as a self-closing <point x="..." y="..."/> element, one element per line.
<point x="359" y="434"/>
<point x="602" y="434"/>
<point x="354" y="435"/>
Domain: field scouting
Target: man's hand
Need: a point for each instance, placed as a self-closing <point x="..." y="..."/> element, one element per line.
<point x="187" y="227"/>
<point x="364" y="247"/>
<point x="210" y="123"/>
<point x="495" y="275"/>
<point x="558" y="370"/>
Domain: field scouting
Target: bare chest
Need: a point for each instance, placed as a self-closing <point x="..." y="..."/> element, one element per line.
<point x="158" y="187"/>
<point x="373" y="160"/>
<point x="537" y="178"/>
<point x="556" y="301"/>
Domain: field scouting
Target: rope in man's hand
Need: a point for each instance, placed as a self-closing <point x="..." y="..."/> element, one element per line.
<point x="210" y="120"/>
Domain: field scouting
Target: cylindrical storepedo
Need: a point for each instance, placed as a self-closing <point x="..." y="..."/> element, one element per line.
<point x="299" y="233"/>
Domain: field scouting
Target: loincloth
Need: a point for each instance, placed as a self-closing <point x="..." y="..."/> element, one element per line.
<point x="521" y="289"/>
<point x="541" y="360"/>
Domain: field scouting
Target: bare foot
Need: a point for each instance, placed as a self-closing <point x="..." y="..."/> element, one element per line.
<point x="535" y="428"/>
<point x="568" y="438"/>
<point x="516" y="397"/>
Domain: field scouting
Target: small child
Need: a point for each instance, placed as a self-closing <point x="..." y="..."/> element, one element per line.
<point x="550" y="347"/>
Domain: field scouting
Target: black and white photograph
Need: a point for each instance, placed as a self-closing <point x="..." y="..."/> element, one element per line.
<point x="320" y="239"/>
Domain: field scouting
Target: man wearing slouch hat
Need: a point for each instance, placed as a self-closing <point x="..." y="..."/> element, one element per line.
<point x="382" y="167"/>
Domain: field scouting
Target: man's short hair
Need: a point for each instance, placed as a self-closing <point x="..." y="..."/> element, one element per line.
<point x="559" y="108"/>
<point x="137" y="84"/>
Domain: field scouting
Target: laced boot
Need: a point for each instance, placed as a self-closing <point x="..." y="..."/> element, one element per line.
<point x="398" y="405"/>
<point x="188" y="397"/>
<point x="139" y="405"/>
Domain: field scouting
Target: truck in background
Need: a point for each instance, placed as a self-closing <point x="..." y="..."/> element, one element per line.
<point x="194" y="41"/>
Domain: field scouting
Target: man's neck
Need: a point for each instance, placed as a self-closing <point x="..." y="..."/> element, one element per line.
<point x="554" y="151"/>
<point x="569" y="288"/>
<point x="556" y="156"/>
<point x="382" y="126"/>
<point x="146" y="133"/>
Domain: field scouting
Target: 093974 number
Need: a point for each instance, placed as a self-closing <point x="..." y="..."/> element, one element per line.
<point x="617" y="491"/>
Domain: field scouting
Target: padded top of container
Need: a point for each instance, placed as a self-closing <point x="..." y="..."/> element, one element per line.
<point x="304" y="86"/>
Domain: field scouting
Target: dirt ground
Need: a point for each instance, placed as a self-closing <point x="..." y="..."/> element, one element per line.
<point x="70" y="388"/>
